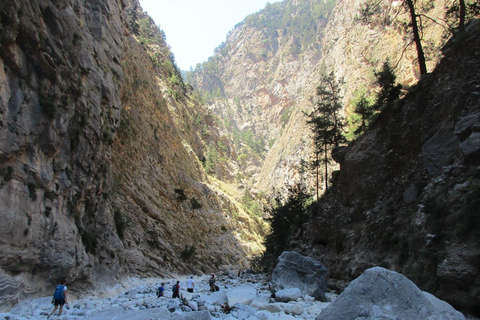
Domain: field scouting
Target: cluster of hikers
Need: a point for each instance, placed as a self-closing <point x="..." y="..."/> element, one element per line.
<point x="190" y="287"/>
<point x="59" y="299"/>
<point x="60" y="294"/>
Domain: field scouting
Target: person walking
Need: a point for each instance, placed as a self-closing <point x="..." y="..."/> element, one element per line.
<point x="190" y="284"/>
<point x="176" y="290"/>
<point x="161" y="290"/>
<point x="211" y="282"/>
<point x="59" y="298"/>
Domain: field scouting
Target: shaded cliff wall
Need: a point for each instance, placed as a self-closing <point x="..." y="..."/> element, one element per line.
<point x="406" y="196"/>
<point x="93" y="146"/>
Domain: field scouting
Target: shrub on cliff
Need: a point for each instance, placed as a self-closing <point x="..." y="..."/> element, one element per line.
<point x="285" y="220"/>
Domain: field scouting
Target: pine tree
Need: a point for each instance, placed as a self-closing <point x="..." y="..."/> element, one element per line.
<point x="327" y="124"/>
<point x="285" y="220"/>
<point x="366" y="111"/>
<point x="389" y="91"/>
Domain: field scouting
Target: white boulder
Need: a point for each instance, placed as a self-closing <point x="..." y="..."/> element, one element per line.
<point x="243" y="295"/>
<point x="286" y="295"/>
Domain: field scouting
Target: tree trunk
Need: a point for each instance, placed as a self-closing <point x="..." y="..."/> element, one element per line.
<point x="318" y="172"/>
<point x="416" y="38"/>
<point x="461" y="25"/>
<point x="326" y="167"/>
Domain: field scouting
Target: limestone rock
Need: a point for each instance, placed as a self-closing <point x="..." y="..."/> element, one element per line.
<point x="260" y="301"/>
<point x="382" y="294"/>
<point x="287" y="295"/>
<point x="243" y="295"/>
<point x="296" y="271"/>
<point x="218" y="298"/>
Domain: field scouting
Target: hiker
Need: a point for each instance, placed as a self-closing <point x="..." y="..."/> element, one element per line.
<point x="59" y="298"/>
<point x="211" y="282"/>
<point x="161" y="290"/>
<point x="176" y="290"/>
<point x="190" y="284"/>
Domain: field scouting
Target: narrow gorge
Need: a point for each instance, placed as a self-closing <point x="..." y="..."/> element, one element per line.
<point x="115" y="163"/>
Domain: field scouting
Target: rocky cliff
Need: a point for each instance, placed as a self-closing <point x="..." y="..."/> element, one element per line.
<point x="100" y="166"/>
<point x="406" y="196"/>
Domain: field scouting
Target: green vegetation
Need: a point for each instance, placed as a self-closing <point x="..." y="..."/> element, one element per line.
<point x="188" y="252"/>
<point x="252" y="206"/>
<point x="195" y="204"/>
<point x="362" y="115"/>
<point x="389" y="91"/>
<point x="180" y="195"/>
<point x="286" y="116"/>
<point x="285" y="219"/>
<point x="460" y="12"/>
<point x="212" y="159"/>
<point x="299" y="22"/>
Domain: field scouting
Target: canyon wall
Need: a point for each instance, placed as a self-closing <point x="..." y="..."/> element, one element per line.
<point x="101" y="176"/>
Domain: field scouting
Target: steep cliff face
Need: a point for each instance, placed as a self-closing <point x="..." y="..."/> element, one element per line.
<point x="254" y="79"/>
<point x="406" y="196"/>
<point x="60" y="70"/>
<point x="100" y="165"/>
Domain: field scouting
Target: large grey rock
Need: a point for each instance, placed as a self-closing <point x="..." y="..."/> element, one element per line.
<point x="260" y="301"/>
<point x="296" y="271"/>
<point x="471" y="146"/>
<point x="383" y="294"/>
<point x="439" y="150"/>
<point x="218" y="298"/>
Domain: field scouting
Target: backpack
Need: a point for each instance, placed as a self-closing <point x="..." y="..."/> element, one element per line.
<point x="58" y="294"/>
<point x="174" y="288"/>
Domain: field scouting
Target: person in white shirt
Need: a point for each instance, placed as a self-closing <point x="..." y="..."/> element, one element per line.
<point x="190" y="284"/>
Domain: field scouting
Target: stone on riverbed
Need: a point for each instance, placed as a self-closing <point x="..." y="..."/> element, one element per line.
<point x="296" y="271"/>
<point x="383" y="294"/>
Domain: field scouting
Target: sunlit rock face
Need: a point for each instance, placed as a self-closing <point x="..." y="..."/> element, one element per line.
<point x="92" y="152"/>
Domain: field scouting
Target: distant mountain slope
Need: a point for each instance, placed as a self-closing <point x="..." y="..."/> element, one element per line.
<point x="252" y="82"/>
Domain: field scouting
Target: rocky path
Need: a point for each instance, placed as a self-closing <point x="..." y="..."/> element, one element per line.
<point x="378" y="294"/>
<point x="136" y="299"/>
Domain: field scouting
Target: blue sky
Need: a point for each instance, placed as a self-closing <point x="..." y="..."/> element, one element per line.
<point x="194" y="28"/>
